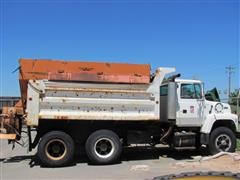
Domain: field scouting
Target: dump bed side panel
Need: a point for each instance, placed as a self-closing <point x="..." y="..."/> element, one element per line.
<point x="89" y="101"/>
<point x="65" y="100"/>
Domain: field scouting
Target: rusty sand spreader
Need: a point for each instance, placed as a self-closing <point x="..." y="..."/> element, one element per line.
<point x="67" y="71"/>
<point x="103" y="72"/>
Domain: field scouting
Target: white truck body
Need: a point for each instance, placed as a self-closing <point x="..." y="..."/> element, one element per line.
<point x="94" y="101"/>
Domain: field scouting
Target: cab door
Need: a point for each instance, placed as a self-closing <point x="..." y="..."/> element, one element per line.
<point x="190" y="104"/>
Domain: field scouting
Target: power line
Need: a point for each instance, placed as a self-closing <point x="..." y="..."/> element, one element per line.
<point x="230" y="70"/>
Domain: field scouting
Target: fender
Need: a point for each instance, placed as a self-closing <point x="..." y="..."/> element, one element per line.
<point x="212" y="118"/>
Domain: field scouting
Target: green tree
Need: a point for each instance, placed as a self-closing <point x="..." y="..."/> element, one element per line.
<point x="234" y="97"/>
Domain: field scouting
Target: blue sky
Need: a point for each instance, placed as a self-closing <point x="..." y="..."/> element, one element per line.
<point x="199" y="38"/>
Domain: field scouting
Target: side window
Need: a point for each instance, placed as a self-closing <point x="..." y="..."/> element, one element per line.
<point x="198" y="91"/>
<point x="187" y="91"/>
<point x="164" y="90"/>
<point x="191" y="91"/>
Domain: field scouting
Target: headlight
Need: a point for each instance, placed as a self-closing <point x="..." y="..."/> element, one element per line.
<point x="219" y="107"/>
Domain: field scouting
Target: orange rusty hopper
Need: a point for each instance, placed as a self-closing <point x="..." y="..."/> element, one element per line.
<point x="81" y="71"/>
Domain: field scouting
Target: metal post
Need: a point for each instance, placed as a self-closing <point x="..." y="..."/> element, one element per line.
<point x="238" y="97"/>
<point x="230" y="70"/>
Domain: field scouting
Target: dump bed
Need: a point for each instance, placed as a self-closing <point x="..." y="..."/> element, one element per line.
<point x="93" y="101"/>
<point x="79" y="91"/>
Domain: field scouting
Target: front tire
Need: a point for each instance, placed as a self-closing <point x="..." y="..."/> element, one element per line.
<point x="103" y="147"/>
<point x="222" y="139"/>
<point x="56" y="149"/>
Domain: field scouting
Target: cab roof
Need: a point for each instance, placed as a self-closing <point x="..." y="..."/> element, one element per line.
<point x="187" y="81"/>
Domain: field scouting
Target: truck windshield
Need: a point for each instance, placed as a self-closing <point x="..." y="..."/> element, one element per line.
<point x="191" y="91"/>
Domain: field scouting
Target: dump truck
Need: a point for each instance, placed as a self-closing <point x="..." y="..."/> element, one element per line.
<point x="102" y="107"/>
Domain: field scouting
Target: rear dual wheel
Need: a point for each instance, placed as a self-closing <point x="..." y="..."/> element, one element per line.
<point x="103" y="147"/>
<point x="56" y="149"/>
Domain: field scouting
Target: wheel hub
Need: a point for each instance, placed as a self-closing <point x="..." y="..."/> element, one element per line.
<point x="104" y="147"/>
<point x="223" y="142"/>
<point x="55" y="149"/>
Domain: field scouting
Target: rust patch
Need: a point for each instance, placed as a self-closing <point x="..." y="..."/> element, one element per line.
<point x="61" y="117"/>
<point x="108" y="65"/>
<point x="37" y="73"/>
<point x="60" y="71"/>
<point x="138" y="75"/>
<point x="86" y="68"/>
<point x="100" y="73"/>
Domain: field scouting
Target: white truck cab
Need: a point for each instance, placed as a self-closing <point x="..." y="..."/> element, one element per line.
<point x="190" y="103"/>
<point x="213" y="118"/>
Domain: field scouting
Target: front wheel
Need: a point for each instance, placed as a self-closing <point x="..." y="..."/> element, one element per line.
<point x="222" y="139"/>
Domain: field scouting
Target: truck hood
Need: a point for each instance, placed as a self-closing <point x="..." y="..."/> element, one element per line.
<point x="217" y="107"/>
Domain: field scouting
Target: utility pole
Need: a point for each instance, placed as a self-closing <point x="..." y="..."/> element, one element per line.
<point x="238" y="97"/>
<point x="230" y="71"/>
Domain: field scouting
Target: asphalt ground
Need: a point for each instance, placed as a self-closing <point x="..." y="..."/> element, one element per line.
<point x="135" y="163"/>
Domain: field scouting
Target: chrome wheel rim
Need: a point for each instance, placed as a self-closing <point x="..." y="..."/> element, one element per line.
<point x="223" y="142"/>
<point x="104" y="148"/>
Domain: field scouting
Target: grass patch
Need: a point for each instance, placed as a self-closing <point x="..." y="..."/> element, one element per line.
<point x="238" y="140"/>
<point x="238" y="145"/>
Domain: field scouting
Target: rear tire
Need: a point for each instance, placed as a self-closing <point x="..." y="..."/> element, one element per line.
<point x="56" y="149"/>
<point x="222" y="139"/>
<point x="103" y="147"/>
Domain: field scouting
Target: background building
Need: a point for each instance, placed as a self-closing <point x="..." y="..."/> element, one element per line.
<point x="8" y="101"/>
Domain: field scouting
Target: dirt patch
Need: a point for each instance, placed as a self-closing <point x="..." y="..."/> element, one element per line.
<point x="219" y="162"/>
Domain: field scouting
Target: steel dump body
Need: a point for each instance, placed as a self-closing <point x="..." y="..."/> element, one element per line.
<point x="79" y="71"/>
<point x="65" y="100"/>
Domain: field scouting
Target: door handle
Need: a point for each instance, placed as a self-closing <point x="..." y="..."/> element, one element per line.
<point x="184" y="111"/>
